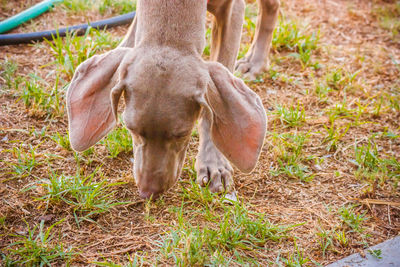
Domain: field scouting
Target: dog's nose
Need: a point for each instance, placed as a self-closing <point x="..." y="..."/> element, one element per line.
<point x="149" y="194"/>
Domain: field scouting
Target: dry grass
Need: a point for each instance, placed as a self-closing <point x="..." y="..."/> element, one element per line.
<point x="351" y="128"/>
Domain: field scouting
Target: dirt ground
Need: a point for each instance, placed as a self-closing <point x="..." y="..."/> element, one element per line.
<point x="351" y="39"/>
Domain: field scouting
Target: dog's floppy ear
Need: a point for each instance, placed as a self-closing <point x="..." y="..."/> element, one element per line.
<point x="238" y="117"/>
<point x="89" y="101"/>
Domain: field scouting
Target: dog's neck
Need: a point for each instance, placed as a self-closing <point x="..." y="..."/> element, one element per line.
<point x="179" y="24"/>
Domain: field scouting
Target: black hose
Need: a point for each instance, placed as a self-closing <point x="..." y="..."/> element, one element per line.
<point x="21" y="38"/>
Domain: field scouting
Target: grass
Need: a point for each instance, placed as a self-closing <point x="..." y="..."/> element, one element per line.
<point x="334" y="138"/>
<point x="72" y="50"/>
<point x="289" y="153"/>
<point x="134" y="261"/>
<point x="296" y="259"/>
<point x="292" y="116"/>
<point x="7" y="71"/>
<point x="62" y="140"/>
<point x="36" y="248"/>
<point x="289" y="34"/>
<point x="373" y="167"/>
<point x="334" y="134"/>
<point x="47" y="99"/>
<point x="389" y="17"/>
<point x="24" y="160"/>
<point x="106" y="6"/>
<point x="42" y="98"/>
<point x="233" y="232"/>
<point x="352" y="219"/>
<point x="117" y="141"/>
<point x="120" y="6"/>
<point x="83" y="194"/>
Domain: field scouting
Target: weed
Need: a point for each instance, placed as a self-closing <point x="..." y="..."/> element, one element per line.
<point x="86" y="196"/>
<point x="62" y="140"/>
<point x="322" y="91"/>
<point x="236" y="230"/>
<point x="288" y="35"/>
<point x="119" y="6"/>
<point x="289" y="150"/>
<point x="26" y="160"/>
<point x="296" y="259"/>
<point x="292" y="116"/>
<point x="366" y="157"/>
<point x="334" y="135"/>
<point x="37" y="248"/>
<point x="341" y="238"/>
<point x="389" y="17"/>
<point x="3" y="221"/>
<point x="338" y="79"/>
<point x="78" y="5"/>
<point x="294" y="170"/>
<point x="341" y="110"/>
<point x="72" y="50"/>
<point x="376" y="253"/>
<point x="325" y="240"/>
<point x="392" y="168"/>
<point x="137" y="261"/>
<point x="349" y="216"/>
<point x="7" y="72"/>
<point x="207" y="48"/>
<point x="119" y="140"/>
<point x="305" y="50"/>
<point x="36" y="96"/>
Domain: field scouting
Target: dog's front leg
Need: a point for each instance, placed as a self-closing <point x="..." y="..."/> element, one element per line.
<point x="256" y="59"/>
<point x="212" y="167"/>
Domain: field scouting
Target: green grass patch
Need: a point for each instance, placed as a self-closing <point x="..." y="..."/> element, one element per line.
<point x="102" y="6"/>
<point x="84" y="194"/>
<point x="290" y="156"/>
<point x="291" y="35"/>
<point x="389" y="17"/>
<point x="24" y="160"/>
<point x="117" y="141"/>
<point x="37" y="248"/>
<point x="372" y="166"/>
<point x="42" y="98"/>
<point x="234" y="231"/>
<point x="72" y="50"/>
<point x="8" y="69"/>
<point x="352" y="219"/>
<point x="292" y="116"/>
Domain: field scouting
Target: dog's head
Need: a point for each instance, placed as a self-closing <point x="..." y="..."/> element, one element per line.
<point x="165" y="92"/>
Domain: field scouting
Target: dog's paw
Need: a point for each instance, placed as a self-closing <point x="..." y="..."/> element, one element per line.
<point x="251" y="68"/>
<point x="214" y="170"/>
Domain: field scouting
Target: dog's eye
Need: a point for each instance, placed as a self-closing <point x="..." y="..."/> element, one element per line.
<point x="180" y="135"/>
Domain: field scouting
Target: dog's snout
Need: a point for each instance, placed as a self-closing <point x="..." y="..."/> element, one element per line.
<point x="149" y="194"/>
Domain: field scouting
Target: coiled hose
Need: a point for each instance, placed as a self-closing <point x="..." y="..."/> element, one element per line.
<point x="26" y="15"/>
<point x="20" y="38"/>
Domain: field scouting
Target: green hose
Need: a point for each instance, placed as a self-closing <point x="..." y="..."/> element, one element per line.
<point x="26" y="15"/>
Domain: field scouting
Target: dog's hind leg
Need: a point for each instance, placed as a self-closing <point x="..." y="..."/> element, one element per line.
<point x="226" y="30"/>
<point x="256" y="59"/>
<point x="129" y="39"/>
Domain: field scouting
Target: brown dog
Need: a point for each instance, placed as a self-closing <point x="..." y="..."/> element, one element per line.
<point x="167" y="86"/>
